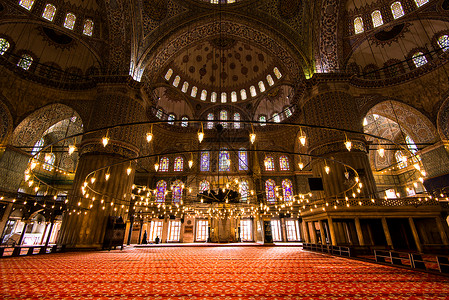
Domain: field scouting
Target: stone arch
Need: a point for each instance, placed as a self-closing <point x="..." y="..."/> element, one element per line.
<point x="6" y="123"/>
<point x="34" y="125"/>
<point x="443" y="120"/>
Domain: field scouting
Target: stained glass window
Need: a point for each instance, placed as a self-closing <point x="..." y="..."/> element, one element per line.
<point x="252" y="90"/>
<point x="270" y="187"/>
<point x="164" y="164"/>
<point x="287" y="186"/>
<point x="194" y="92"/>
<point x="243" y="190"/>
<point x="276" y="118"/>
<point x="243" y="160"/>
<point x="161" y="188"/>
<point x="88" y="27"/>
<point x="224" y="161"/>
<point x="49" y="161"/>
<point x="159" y="113"/>
<point x="28" y="4"/>
<point x="176" y="81"/>
<point x="243" y="94"/>
<point x="203" y="95"/>
<point x="224" y="97"/>
<point x="263" y="120"/>
<point x="69" y="22"/>
<point x="443" y="42"/>
<point x="376" y="16"/>
<point x="179" y="164"/>
<point x="269" y="163"/>
<point x="288" y="112"/>
<point x="358" y="25"/>
<point x="171" y="118"/>
<point x="213" y="97"/>
<point x="185" y="87"/>
<point x="4" y="46"/>
<point x="204" y="186"/>
<point x="224" y="117"/>
<point x="270" y="80"/>
<point x="210" y="118"/>
<point x="420" y="3"/>
<point x="184" y="122"/>
<point x="236" y="118"/>
<point x="25" y="61"/>
<point x="205" y="159"/>
<point x="261" y="86"/>
<point x="234" y="97"/>
<point x="38" y="146"/>
<point x="400" y="159"/>
<point x="396" y="9"/>
<point x="419" y="59"/>
<point x="177" y="188"/>
<point x="283" y="163"/>
<point x="411" y="144"/>
<point x="277" y="73"/>
<point x="168" y="74"/>
<point x="49" y="12"/>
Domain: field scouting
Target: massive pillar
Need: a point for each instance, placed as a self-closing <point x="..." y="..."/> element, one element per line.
<point x="335" y="107"/>
<point x="86" y="228"/>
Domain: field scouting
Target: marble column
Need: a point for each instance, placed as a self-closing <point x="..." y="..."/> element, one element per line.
<point x="332" y="231"/>
<point x="358" y="228"/>
<point x="387" y="233"/>
<point x="442" y="230"/>
<point x="415" y="234"/>
<point x="322" y="233"/>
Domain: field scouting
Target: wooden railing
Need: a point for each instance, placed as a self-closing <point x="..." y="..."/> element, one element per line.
<point x="29" y="250"/>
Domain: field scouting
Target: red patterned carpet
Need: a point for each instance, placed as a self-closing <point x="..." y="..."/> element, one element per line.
<point x="211" y="273"/>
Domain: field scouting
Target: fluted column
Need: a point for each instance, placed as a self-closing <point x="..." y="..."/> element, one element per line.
<point x="86" y="229"/>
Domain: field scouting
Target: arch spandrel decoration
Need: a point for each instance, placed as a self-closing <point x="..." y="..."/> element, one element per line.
<point x="6" y="123"/>
<point x="443" y="120"/>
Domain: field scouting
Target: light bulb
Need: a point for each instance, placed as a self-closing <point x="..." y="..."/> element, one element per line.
<point x="149" y="137"/>
<point x="423" y="173"/>
<point x="302" y="139"/>
<point x="300" y="165"/>
<point x="365" y="122"/>
<point x="85" y="183"/>
<point x="156" y="166"/>
<point x="33" y="165"/>
<point x="128" y="171"/>
<point x="252" y="138"/>
<point x="190" y="164"/>
<point x="105" y="141"/>
<point x="200" y="136"/>
<point x="327" y="169"/>
<point x="36" y="189"/>
<point x="381" y="152"/>
<point x="357" y="179"/>
<point x="72" y="149"/>
<point x="348" y="145"/>
<point x="47" y="157"/>
<point x="106" y="176"/>
<point x="27" y="177"/>
<point x="92" y="180"/>
<point x="30" y="183"/>
<point x="415" y="184"/>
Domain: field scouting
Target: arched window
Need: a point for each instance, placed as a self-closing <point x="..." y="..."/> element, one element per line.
<point x="277" y="73"/>
<point x="243" y="190"/>
<point x="283" y="163"/>
<point x="4" y="46"/>
<point x="261" y="86"/>
<point x="443" y="42"/>
<point x="243" y="160"/>
<point x="161" y="188"/>
<point x="168" y="74"/>
<point x="49" y="12"/>
<point x="25" y="61"/>
<point x="252" y="90"/>
<point x="400" y="159"/>
<point x="184" y="122"/>
<point x="205" y="159"/>
<point x="69" y="22"/>
<point x="420" y="3"/>
<point x="171" y="118"/>
<point x="185" y="87"/>
<point x="270" y="187"/>
<point x="159" y="113"/>
<point x="288" y="112"/>
<point x="358" y="25"/>
<point x="262" y="120"/>
<point x="194" y="92"/>
<point x="38" y="146"/>
<point x="210" y="118"/>
<point x="224" y="117"/>
<point x="411" y="144"/>
<point x="243" y="94"/>
<point x="204" y="186"/>
<point x="88" y="27"/>
<point x="270" y="80"/>
<point x="224" y="97"/>
<point x="396" y="10"/>
<point x="176" y="81"/>
<point x="287" y="186"/>
<point x="164" y="164"/>
<point x="276" y="118"/>
<point x="179" y="164"/>
<point x="177" y="188"/>
<point x="419" y="59"/>
<point x="376" y="16"/>
<point x="49" y="161"/>
<point x="213" y="97"/>
<point x="234" y="97"/>
<point x="28" y="4"/>
<point x="203" y="95"/>
<point x="269" y="163"/>
<point x="224" y="161"/>
<point x="236" y="118"/>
